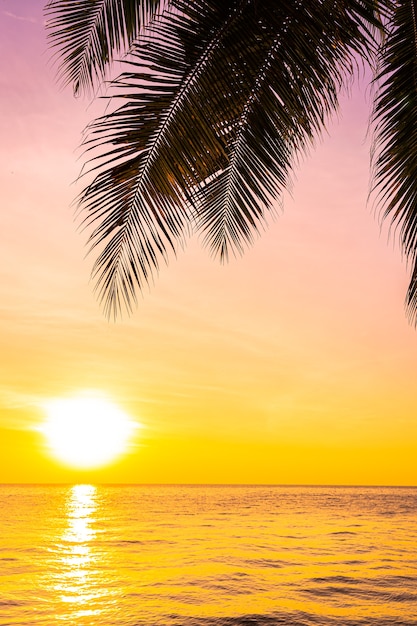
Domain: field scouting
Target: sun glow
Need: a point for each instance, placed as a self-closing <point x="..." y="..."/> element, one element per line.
<point x="86" y="431"/>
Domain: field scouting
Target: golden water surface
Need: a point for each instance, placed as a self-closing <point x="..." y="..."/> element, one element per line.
<point x="196" y="555"/>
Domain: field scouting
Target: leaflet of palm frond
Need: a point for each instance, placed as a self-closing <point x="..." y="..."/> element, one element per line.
<point x="411" y="298"/>
<point x="395" y="119"/>
<point x="87" y="34"/>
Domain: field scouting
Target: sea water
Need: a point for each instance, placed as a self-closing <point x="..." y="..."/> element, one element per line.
<point x="207" y="555"/>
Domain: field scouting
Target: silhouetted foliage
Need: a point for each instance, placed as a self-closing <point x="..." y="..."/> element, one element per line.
<point x="218" y="100"/>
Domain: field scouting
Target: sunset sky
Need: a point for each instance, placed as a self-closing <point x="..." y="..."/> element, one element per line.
<point x="294" y="364"/>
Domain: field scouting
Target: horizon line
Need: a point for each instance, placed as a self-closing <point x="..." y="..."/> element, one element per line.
<point x="124" y="484"/>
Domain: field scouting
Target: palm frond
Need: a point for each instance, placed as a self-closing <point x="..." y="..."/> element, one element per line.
<point x="220" y="98"/>
<point x="395" y="119"/>
<point x="284" y="77"/>
<point x="139" y="197"/>
<point x="159" y="152"/>
<point x="87" y="33"/>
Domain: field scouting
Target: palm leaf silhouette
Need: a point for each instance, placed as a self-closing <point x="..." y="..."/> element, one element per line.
<point x="395" y="117"/>
<point x="220" y="98"/>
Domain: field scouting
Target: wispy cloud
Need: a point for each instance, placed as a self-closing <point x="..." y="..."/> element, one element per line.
<point x="11" y="399"/>
<point x="13" y="16"/>
<point x="19" y="411"/>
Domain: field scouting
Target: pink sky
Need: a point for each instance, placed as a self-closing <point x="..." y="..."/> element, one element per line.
<point x="299" y="350"/>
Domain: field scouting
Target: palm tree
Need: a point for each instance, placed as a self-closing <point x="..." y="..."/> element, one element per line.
<point x="217" y="101"/>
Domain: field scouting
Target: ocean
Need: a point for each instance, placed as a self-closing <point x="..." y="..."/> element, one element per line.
<point x="207" y="555"/>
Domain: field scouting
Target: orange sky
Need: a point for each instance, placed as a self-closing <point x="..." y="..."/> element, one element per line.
<point x="294" y="364"/>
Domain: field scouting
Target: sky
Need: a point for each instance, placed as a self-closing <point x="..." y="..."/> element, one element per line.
<point x="294" y="364"/>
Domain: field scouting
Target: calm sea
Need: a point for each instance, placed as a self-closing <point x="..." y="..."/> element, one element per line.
<point x="200" y="555"/>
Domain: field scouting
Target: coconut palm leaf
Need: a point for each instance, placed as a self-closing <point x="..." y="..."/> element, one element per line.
<point x="87" y="33"/>
<point x="220" y="98"/>
<point x="395" y="117"/>
<point x="139" y="197"/>
<point x="285" y="78"/>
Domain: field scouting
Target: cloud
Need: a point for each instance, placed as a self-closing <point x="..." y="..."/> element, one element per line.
<point x="19" y="411"/>
<point x="32" y="20"/>
<point x="11" y="399"/>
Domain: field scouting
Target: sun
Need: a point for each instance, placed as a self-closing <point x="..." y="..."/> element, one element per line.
<point x="86" y="431"/>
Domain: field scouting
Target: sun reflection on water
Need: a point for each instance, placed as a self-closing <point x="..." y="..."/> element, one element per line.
<point x="79" y="582"/>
